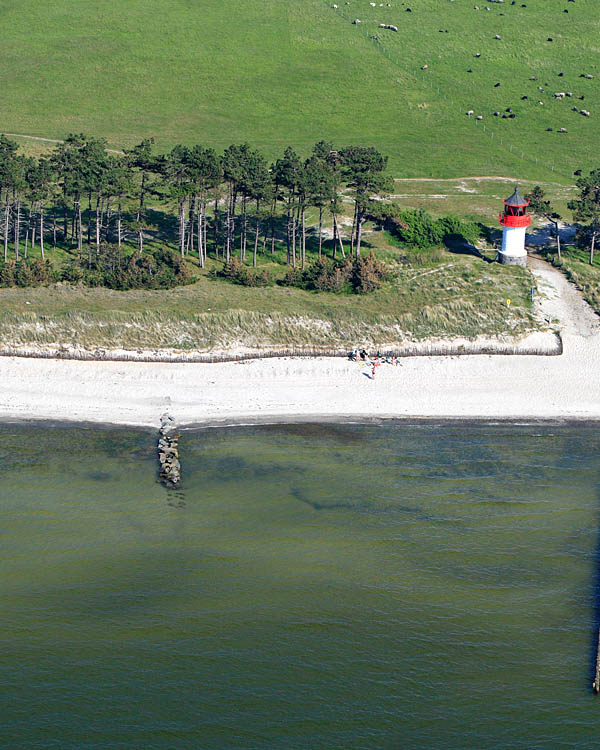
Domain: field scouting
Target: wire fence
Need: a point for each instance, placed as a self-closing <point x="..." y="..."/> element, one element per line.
<point x="499" y="139"/>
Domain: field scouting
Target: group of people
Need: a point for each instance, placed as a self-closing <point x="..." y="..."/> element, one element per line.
<point x="373" y="361"/>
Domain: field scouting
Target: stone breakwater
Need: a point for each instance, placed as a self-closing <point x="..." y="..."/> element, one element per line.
<point x="168" y="452"/>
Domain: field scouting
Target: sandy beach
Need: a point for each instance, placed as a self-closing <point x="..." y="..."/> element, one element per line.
<point x="478" y="386"/>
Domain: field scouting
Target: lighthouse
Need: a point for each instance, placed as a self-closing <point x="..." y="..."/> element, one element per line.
<point x="514" y="221"/>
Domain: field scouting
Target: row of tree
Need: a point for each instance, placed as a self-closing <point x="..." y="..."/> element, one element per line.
<point x="82" y="193"/>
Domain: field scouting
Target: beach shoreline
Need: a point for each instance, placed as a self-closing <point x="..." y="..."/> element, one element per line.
<point x="283" y="389"/>
<point x="482" y="387"/>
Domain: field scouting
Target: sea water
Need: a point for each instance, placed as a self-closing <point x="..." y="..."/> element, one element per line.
<point x="310" y="586"/>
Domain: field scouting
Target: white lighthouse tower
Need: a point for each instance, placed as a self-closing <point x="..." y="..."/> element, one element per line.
<point x="515" y="222"/>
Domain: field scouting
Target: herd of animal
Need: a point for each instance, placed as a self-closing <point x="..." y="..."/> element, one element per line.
<point x="508" y="113"/>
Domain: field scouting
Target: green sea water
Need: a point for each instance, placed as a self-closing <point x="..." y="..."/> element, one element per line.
<point x="310" y="586"/>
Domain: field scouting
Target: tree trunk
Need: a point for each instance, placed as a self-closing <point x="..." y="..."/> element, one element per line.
<point x="289" y="233"/>
<point x="359" y="223"/>
<point x="182" y="227"/>
<point x="119" y="226"/>
<point x="320" y="231"/>
<point x="256" y="233"/>
<point x="17" y="228"/>
<point x="352" y="235"/>
<point x="89" y="220"/>
<point x="216" y="228"/>
<point x="142" y="195"/>
<point x="339" y="237"/>
<point x="557" y="240"/>
<point x="65" y="222"/>
<point x="272" y="222"/>
<point x="33" y="226"/>
<point x="42" y="230"/>
<point x="191" y="215"/>
<point x="97" y="224"/>
<point x="228" y="227"/>
<point x="200" y="242"/>
<point x="6" y="227"/>
<point x="204" y="230"/>
<point x="592" y="248"/>
<point x="79" y="233"/>
<point x="54" y="228"/>
<point x="244" y="229"/>
<point x="303" y="238"/>
<point x="294" y="240"/>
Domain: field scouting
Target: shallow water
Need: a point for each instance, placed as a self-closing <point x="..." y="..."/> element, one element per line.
<point x="311" y="586"/>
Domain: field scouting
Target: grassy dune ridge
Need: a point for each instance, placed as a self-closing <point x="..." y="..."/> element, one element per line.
<point x="275" y="73"/>
<point x="459" y="296"/>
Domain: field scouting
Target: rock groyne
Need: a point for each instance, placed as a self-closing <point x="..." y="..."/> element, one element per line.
<point x="168" y="452"/>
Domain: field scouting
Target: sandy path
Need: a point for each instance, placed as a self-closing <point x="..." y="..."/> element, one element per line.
<point x="517" y="387"/>
<point x="50" y="140"/>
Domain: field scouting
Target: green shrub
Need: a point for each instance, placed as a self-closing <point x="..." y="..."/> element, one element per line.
<point x="234" y="270"/>
<point x="26" y="272"/>
<point x="160" y="269"/>
<point x="361" y="275"/>
<point x="419" y="229"/>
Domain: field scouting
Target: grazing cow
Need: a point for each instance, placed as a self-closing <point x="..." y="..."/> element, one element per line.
<point x="479" y="117"/>
<point x="563" y="130"/>
<point x="585" y="113"/>
<point x="469" y="112"/>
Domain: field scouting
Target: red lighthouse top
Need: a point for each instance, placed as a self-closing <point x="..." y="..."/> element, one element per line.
<point x="515" y="211"/>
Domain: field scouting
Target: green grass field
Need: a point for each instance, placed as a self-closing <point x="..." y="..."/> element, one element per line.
<point x="294" y="71"/>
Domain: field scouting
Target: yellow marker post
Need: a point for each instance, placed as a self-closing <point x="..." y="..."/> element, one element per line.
<point x="508" y="303"/>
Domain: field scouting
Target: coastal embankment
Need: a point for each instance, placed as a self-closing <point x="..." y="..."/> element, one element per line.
<point x="483" y="386"/>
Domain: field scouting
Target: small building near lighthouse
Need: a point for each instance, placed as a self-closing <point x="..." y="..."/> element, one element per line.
<point x="515" y="221"/>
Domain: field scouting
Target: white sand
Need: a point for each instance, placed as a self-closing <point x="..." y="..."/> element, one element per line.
<point x="480" y="386"/>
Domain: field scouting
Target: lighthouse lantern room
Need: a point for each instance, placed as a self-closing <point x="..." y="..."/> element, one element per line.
<point x="514" y="221"/>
